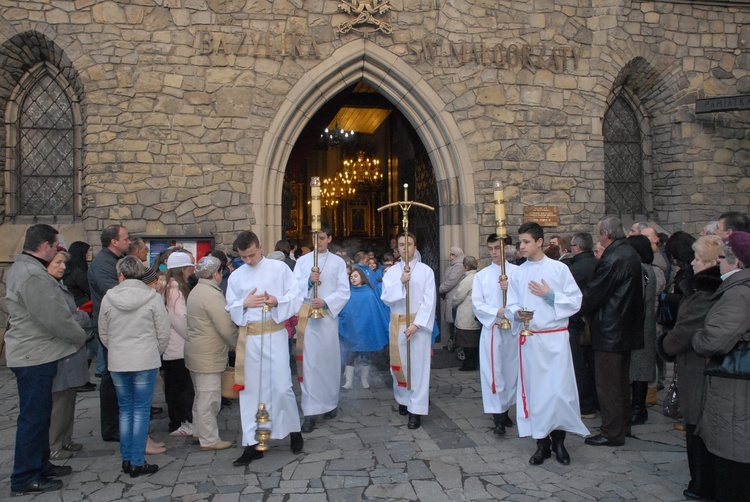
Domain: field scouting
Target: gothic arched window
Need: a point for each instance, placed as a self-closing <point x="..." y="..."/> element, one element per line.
<point x="44" y="146"/>
<point x="623" y="159"/>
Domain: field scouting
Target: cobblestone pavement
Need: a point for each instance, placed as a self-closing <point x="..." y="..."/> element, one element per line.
<point x="367" y="453"/>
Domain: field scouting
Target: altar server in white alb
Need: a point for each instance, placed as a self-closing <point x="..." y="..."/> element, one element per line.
<point x="318" y="354"/>
<point x="547" y="396"/>
<point x="421" y="279"/>
<point x="498" y="348"/>
<point x="262" y="373"/>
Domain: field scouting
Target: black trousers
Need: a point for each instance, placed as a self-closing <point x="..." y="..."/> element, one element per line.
<point x="109" y="409"/>
<point x="178" y="392"/>
<point x="583" y="365"/>
<point x="701" y="465"/>
<point x="612" y="372"/>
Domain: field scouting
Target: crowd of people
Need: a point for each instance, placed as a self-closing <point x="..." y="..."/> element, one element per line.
<point x="560" y="330"/>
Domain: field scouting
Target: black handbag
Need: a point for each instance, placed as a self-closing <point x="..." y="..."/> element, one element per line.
<point x="733" y="364"/>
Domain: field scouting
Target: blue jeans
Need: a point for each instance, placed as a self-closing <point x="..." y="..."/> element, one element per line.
<point x="134" y="392"/>
<point x="34" y="412"/>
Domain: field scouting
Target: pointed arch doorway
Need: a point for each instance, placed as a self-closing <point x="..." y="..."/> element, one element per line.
<point x="425" y="111"/>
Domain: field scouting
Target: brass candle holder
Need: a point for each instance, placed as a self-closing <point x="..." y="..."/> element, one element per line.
<point x="262" y="431"/>
<point x="500" y="229"/>
<point x="526" y="316"/>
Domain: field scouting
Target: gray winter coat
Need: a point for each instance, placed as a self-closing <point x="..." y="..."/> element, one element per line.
<point x="724" y="424"/>
<point x="448" y="288"/>
<point x="678" y="342"/>
<point x="42" y="328"/>
<point x="73" y="370"/>
<point x="643" y="361"/>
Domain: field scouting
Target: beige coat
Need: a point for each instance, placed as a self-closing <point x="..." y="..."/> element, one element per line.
<point x="465" y="318"/>
<point x="210" y="330"/>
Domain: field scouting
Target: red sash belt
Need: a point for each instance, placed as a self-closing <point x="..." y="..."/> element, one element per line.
<point x="522" y="340"/>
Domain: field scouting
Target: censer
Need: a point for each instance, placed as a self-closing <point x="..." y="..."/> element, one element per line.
<point x="262" y="418"/>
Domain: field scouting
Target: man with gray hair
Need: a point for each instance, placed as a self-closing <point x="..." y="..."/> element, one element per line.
<point x="613" y="304"/>
<point x="211" y="333"/>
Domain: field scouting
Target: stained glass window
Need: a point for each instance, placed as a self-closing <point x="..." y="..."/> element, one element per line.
<point x="623" y="160"/>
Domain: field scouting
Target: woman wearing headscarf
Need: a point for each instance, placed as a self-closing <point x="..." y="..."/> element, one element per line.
<point x="72" y="372"/>
<point x="677" y="345"/>
<point x="468" y="328"/>
<point x="724" y="425"/>
<point x="211" y="333"/>
<point x="134" y="327"/>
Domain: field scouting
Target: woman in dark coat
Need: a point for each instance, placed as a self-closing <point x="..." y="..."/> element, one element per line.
<point x="724" y="425"/>
<point x="677" y="345"/>
<point x="643" y="361"/>
<point x="76" y="274"/>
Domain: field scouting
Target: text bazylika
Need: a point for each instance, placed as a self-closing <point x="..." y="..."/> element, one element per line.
<point x="257" y="44"/>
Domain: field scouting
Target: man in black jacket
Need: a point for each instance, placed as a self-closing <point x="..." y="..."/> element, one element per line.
<point x="103" y="277"/>
<point x="582" y="266"/>
<point x="613" y="304"/>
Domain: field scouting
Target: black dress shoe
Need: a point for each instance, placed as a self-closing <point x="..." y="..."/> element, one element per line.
<point x="331" y="414"/>
<point x="415" y="421"/>
<point x="142" y="470"/>
<point x="467" y="368"/>
<point x="126" y="466"/>
<point x="296" y="442"/>
<point x="56" y="471"/>
<point x="248" y="456"/>
<point x="506" y="419"/>
<point x="87" y="387"/>
<point x="309" y="424"/>
<point x="600" y="440"/>
<point x="402" y="410"/>
<point x="499" y="429"/>
<point x="37" y="486"/>
<point x="156" y="410"/>
<point x="540" y="454"/>
<point x="691" y="495"/>
<point x="112" y="439"/>
<point x="561" y="454"/>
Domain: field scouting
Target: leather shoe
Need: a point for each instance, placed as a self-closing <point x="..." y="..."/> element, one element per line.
<point x="37" y="486"/>
<point x="296" y="442"/>
<point x="402" y="410"/>
<point x="691" y="495"/>
<point x="331" y="414"/>
<point x="126" y="466"/>
<point x="561" y="454"/>
<point x="415" y="421"/>
<point x="639" y="416"/>
<point x="600" y="440"/>
<point x="540" y="454"/>
<point x="140" y="470"/>
<point x="309" y="424"/>
<point x="112" y="439"/>
<point x="248" y="456"/>
<point x="56" y="471"/>
<point x="499" y="429"/>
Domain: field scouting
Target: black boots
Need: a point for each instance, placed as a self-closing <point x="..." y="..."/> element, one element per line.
<point x="545" y="447"/>
<point x="471" y="359"/>
<point x="296" y="442"/>
<point x="542" y="451"/>
<point x="309" y="423"/>
<point x="558" y="446"/>
<point x="638" y="412"/>
<point x="502" y="420"/>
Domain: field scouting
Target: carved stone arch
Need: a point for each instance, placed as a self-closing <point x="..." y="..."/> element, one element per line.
<point x="363" y="60"/>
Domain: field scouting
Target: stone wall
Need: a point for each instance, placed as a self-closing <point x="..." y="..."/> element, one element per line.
<point x="178" y="95"/>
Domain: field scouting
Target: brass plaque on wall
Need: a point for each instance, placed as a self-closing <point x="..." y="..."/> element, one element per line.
<point x="546" y="216"/>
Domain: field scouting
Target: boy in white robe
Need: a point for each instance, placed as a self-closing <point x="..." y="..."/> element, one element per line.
<point x="547" y="396"/>
<point x="498" y="349"/>
<point x="318" y="352"/>
<point x="266" y="377"/>
<point x="421" y="279"/>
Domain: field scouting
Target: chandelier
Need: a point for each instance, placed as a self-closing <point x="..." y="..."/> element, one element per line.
<point x="363" y="170"/>
<point x="335" y="136"/>
<point x="337" y="188"/>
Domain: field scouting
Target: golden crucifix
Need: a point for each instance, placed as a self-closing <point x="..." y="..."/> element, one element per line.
<point x="405" y="206"/>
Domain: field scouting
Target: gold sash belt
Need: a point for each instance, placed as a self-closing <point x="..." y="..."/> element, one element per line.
<point x="396" y="365"/>
<point x="299" y="347"/>
<point x="251" y="329"/>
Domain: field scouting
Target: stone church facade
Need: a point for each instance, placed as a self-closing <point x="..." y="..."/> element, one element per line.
<point x="181" y="114"/>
